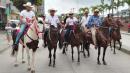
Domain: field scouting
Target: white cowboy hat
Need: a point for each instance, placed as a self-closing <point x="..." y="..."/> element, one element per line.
<point x="70" y="12"/>
<point x="28" y="4"/>
<point x="96" y="10"/>
<point x="86" y="11"/>
<point x="52" y="9"/>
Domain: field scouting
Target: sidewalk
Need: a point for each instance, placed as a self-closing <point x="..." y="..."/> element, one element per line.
<point x="3" y="42"/>
<point x="125" y="42"/>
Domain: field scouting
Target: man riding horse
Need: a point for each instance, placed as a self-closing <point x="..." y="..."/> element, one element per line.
<point x="93" y="23"/>
<point x="53" y="21"/>
<point x="26" y="18"/>
<point x="71" y="21"/>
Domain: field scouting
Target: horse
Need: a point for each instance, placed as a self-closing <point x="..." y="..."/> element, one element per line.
<point x="31" y="43"/>
<point x="14" y="34"/>
<point x="74" y="40"/>
<point x="52" y="40"/>
<point x="102" y="41"/>
<point x="114" y="32"/>
<point x="115" y="36"/>
<point x="87" y="40"/>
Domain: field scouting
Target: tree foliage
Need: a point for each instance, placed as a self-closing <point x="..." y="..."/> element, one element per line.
<point x="19" y="4"/>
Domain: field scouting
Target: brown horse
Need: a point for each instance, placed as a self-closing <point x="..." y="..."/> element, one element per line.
<point x="52" y="40"/>
<point x="114" y="31"/>
<point x="74" y="40"/>
<point x="102" y="41"/>
<point x="87" y="40"/>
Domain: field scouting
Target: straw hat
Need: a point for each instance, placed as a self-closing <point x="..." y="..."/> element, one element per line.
<point x="96" y="10"/>
<point x="28" y="4"/>
<point x="86" y="11"/>
<point x="52" y="9"/>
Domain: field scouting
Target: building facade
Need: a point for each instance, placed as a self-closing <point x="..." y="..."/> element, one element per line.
<point x="4" y="5"/>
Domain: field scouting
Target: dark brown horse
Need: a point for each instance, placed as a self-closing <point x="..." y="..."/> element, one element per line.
<point x="74" y="40"/>
<point x="52" y="40"/>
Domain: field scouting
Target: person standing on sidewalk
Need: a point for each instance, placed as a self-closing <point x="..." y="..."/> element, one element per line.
<point x="26" y="17"/>
<point x="8" y="32"/>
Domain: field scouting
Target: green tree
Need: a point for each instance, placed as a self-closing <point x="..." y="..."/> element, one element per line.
<point x="38" y="2"/>
<point x="19" y="4"/>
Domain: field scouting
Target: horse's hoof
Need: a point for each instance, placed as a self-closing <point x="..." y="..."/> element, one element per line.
<point x="114" y="53"/>
<point x="49" y="65"/>
<point x="33" y="71"/>
<point x="84" y="56"/>
<point x="16" y="65"/>
<point x="78" y="61"/>
<point x="29" y="69"/>
<point x="99" y="63"/>
<point x="54" y="65"/>
<point x="104" y="63"/>
<point x="23" y="62"/>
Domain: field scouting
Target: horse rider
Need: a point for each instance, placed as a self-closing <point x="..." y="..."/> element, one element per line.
<point x="52" y="21"/>
<point x="93" y="24"/>
<point x="71" y="21"/>
<point x="26" y="17"/>
<point x="108" y="21"/>
<point x="119" y="24"/>
<point x="85" y="19"/>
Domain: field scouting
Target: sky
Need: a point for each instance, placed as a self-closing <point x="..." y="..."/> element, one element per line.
<point x="65" y="6"/>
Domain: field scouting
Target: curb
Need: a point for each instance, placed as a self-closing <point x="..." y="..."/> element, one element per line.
<point x="123" y="50"/>
<point x="4" y="49"/>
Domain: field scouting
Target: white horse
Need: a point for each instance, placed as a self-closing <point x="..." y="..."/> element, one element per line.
<point x="31" y="40"/>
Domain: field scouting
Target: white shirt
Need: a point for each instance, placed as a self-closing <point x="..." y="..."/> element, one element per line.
<point x="71" y="21"/>
<point x="84" y="21"/>
<point x="27" y="14"/>
<point x="53" y="20"/>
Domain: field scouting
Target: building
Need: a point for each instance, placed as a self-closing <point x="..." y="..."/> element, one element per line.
<point x="4" y="4"/>
<point x="41" y="9"/>
<point x="14" y="15"/>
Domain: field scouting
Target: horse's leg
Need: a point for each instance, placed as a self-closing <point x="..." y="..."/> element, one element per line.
<point x="78" y="54"/>
<point x="64" y="49"/>
<point x="54" y="56"/>
<point x="114" y="47"/>
<point x="23" y="55"/>
<point x="98" y="61"/>
<point x="103" y="59"/>
<point x="88" y="50"/>
<point x="72" y="53"/>
<point x="50" y="56"/>
<point x="111" y="44"/>
<point x="28" y="57"/>
<point x="32" y="63"/>
<point x="16" y="59"/>
<point x="84" y="50"/>
<point x="120" y="44"/>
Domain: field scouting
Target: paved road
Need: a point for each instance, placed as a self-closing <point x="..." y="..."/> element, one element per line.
<point x="119" y="63"/>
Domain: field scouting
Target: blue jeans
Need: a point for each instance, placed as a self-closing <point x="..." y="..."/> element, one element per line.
<point x="21" y="33"/>
<point x="66" y="36"/>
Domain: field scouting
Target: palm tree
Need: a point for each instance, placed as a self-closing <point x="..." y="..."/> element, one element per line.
<point x="117" y="4"/>
<point x="108" y="7"/>
<point x="128" y="2"/>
